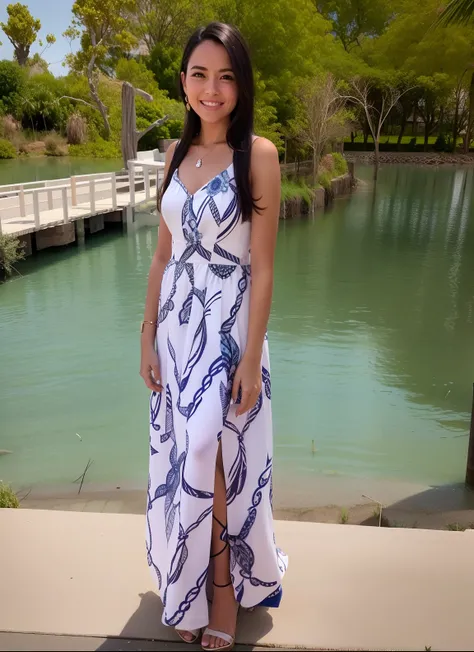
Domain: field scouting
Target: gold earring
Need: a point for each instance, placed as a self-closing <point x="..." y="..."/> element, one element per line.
<point x="188" y="107"/>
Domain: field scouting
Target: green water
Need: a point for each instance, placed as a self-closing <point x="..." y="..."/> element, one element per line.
<point x="371" y="337"/>
<point x="22" y="170"/>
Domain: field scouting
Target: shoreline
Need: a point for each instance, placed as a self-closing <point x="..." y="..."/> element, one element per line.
<point x="353" y="501"/>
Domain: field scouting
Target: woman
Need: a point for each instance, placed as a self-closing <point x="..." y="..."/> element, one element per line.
<point x="205" y="355"/>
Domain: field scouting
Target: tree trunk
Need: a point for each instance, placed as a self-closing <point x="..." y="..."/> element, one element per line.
<point x="402" y="130"/>
<point x="414" y="124"/>
<point x="22" y="52"/>
<point x="455" y="125"/>
<point x="315" y="167"/>
<point x="95" y="94"/>
<point x="427" y="135"/>
<point x="129" y="124"/>
<point x="376" y="159"/>
<point x="470" y="117"/>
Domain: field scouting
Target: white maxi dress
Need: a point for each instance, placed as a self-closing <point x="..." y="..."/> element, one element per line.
<point x="202" y="332"/>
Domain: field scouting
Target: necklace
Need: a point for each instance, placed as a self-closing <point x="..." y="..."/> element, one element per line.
<point x="200" y="159"/>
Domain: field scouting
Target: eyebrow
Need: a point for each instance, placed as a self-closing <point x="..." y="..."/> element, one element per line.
<point x="205" y="69"/>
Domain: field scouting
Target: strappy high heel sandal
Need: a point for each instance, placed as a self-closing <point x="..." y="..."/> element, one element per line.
<point x="195" y="632"/>
<point x="230" y="640"/>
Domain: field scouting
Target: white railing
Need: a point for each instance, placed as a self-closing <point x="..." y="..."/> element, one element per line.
<point x="27" y="199"/>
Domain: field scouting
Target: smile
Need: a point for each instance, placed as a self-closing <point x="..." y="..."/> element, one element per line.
<point x="211" y="105"/>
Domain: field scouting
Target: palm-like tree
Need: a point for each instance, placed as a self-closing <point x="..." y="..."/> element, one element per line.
<point x="457" y="11"/>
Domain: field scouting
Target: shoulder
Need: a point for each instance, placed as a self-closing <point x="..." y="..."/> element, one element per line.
<point x="264" y="160"/>
<point x="170" y="152"/>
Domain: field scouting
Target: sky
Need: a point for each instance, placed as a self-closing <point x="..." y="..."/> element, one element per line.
<point x="55" y="17"/>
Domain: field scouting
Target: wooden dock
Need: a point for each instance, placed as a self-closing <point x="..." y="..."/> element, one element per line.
<point x="55" y="212"/>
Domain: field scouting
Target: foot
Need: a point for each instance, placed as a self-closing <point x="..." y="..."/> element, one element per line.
<point x="223" y="617"/>
<point x="187" y="636"/>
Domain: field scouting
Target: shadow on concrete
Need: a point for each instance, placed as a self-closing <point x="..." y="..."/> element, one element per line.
<point x="142" y="631"/>
<point x="436" y="500"/>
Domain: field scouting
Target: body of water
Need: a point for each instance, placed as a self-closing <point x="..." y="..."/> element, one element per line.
<point x="22" y="170"/>
<point x="371" y="336"/>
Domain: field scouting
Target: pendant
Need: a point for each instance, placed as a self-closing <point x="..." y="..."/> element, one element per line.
<point x="199" y="162"/>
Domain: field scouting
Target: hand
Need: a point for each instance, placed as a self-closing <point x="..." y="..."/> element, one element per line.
<point x="248" y="378"/>
<point x="150" y="368"/>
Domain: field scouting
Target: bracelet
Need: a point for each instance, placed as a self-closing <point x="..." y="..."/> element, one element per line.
<point x="145" y="321"/>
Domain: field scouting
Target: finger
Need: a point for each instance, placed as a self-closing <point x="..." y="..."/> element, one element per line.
<point x="156" y="375"/>
<point x="235" y="388"/>
<point x="254" y="398"/>
<point x="244" y="403"/>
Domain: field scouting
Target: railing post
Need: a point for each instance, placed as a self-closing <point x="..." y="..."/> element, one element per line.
<point x="470" y="452"/>
<point x="146" y="177"/>
<point x="21" y="196"/>
<point x="36" y="208"/>
<point x="50" y="200"/>
<point x="73" y="191"/>
<point x="113" y="179"/>
<point x="65" y="206"/>
<point x="92" y="194"/>
<point x="131" y="181"/>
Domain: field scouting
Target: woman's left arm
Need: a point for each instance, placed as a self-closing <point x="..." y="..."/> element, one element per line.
<point x="266" y="182"/>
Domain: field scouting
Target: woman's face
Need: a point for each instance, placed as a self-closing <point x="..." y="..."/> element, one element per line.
<point x="210" y="83"/>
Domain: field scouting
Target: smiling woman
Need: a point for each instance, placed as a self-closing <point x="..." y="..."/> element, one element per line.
<point x="205" y="355"/>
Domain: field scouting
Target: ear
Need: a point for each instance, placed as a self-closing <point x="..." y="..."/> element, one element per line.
<point x="183" y="81"/>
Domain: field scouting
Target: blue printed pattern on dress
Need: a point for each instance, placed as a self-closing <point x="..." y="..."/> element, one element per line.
<point x="203" y="322"/>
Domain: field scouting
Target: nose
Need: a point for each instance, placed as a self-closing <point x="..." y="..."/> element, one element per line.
<point x="211" y="86"/>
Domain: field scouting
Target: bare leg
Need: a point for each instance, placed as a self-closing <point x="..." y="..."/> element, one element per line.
<point x="224" y="607"/>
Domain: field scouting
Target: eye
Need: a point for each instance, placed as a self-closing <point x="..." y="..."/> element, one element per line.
<point x="228" y="77"/>
<point x="197" y="74"/>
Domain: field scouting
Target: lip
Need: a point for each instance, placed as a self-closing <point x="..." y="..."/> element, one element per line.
<point x="218" y="106"/>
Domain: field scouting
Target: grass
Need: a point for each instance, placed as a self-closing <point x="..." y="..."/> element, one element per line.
<point x="8" y="498"/>
<point x="457" y="527"/>
<point x="344" y="516"/>
<point x="296" y="190"/>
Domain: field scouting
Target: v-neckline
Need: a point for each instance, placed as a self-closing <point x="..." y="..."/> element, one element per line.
<point x="192" y="194"/>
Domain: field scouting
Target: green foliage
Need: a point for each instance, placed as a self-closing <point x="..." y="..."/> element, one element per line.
<point x="99" y="148"/>
<point x="137" y="74"/>
<point x="12" y="86"/>
<point x="6" y="149"/>
<point x="8" y="498"/>
<point x="21" y="29"/>
<point x="299" y="189"/>
<point x="340" y="164"/>
<point x="165" y="62"/>
<point x="11" y="252"/>
<point x="324" y="179"/>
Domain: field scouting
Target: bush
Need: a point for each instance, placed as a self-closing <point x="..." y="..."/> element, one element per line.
<point x="8" y="497"/>
<point x="6" y="149"/>
<point x="12" y="87"/>
<point x="9" y="127"/>
<point x="11" y="251"/>
<point x="340" y="164"/>
<point x="324" y="179"/>
<point x="96" y="149"/>
<point x="55" y="145"/>
<point x="76" y="129"/>
<point x="440" y="144"/>
<point x="296" y="190"/>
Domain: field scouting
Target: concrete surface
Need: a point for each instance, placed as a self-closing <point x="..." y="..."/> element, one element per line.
<point x="51" y="643"/>
<point x="348" y="587"/>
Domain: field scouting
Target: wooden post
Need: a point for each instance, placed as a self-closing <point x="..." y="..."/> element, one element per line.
<point x="36" y="208"/>
<point x="470" y="452"/>
<point x="92" y="194"/>
<point x="65" y="207"/>
<point x="21" y="196"/>
<point x="73" y="191"/>
<point x="113" y="179"/>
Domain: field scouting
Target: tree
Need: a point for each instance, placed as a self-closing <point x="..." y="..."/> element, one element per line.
<point x="321" y="118"/>
<point x="355" y="19"/>
<point x="165" y="63"/>
<point x="377" y="101"/>
<point x="22" y="30"/>
<point x="12" y="87"/>
<point x="102" y="25"/>
<point x="164" y="22"/>
<point x="457" y="11"/>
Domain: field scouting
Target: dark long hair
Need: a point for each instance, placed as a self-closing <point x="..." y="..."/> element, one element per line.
<point x="239" y="133"/>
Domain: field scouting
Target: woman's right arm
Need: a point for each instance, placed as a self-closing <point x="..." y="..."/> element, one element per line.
<point x="150" y="364"/>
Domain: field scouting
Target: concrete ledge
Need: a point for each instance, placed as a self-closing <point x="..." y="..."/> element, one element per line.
<point x="348" y="587"/>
